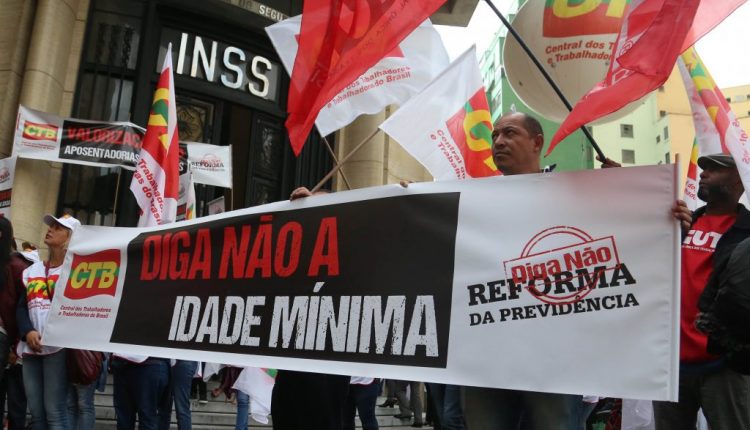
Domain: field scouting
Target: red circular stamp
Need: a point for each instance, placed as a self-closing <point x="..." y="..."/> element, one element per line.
<point x="562" y="264"/>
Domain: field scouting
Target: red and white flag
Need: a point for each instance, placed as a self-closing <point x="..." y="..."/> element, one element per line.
<point x="393" y="80"/>
<point x="448" y="127"/>
<point x="653" y="35"/>
<point x="340" y="40"/>
<point x="155" y="182"/>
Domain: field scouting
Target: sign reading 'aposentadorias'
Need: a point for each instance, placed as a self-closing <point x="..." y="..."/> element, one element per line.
<point x="469" y="282"/>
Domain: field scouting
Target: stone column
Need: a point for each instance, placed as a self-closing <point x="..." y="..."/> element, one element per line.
<point x="366" y="167"/>
<point x="16" y="17"/>
<point x="381" y="161"/>
<point x="37" y="182"/>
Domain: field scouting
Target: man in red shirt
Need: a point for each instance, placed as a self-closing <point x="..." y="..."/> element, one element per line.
<point x="709" y="236"/>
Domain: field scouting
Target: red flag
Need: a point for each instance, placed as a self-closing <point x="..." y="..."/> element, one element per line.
<point x="340" y="40"/>
<point x="155" y="183"/>
<point x="653" y="35"/>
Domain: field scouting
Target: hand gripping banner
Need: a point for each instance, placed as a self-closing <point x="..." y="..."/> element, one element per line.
<point x="531" y="282"/>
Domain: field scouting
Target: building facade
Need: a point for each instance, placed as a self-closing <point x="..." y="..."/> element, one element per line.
<point x="99" y="60"/>
<point x="642" y="137"/>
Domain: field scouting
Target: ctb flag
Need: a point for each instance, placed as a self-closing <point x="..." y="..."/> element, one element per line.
<point x="706" y="140"/>
<point x="340" y="40"/>
<point x="448" y="127"/>
<point x="652" y="36"/>
<point x="393" y="80"/>
<point x="155" y="183"/>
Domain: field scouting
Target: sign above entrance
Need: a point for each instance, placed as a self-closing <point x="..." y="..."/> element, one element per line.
<point x="261" y="9"/>
<point x="222" y="64"/>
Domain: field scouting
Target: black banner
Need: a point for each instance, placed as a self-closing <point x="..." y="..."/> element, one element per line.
<point x="116" y="144"/>
<point x="332" y="282"/>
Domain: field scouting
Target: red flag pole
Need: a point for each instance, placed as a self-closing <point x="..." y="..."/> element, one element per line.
<point x="546" y="75"/>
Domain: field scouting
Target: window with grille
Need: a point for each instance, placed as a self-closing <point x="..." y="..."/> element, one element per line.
<point x="628" y="156"/>
<point x="626" y="130"/>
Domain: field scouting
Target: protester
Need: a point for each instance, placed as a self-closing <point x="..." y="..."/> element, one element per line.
<point x="363" y="395"/>
<point x="410" y="406"/>
<point x="44" y="372"/>
<point x="139" y="389"/>
<point x="12" y="265"/>
<point x="304" y="401"/>
<point x="178" y="394"/>
<point x="446" y="400"/>
<point x="517" y="141"/>
<point x="30" y="252"/>
<point x="709" y="377"/>
<point x="227" y="376"/>
<point x="81" y="410"/>
<point x="12" y="391"/>
<point x="11" y="290"/>
<point x="325" y="395"/>
<point x="390" y="400"/>
<point x="198" y="388"/>
<point x="243" y="410"/>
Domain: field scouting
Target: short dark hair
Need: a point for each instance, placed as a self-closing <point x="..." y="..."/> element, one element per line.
<point x="532" y="125"/>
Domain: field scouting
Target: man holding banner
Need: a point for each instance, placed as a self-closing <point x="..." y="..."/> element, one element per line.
<point x="517" y="141"/>
<point x="710" y="377"/>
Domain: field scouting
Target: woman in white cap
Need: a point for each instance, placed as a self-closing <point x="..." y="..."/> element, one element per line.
<point x="45" y="375"/>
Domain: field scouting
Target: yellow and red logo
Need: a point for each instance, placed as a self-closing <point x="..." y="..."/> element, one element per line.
<point x="565" y="18"/>
<point x="36" y="131"/>
<point x="471" y="129"/>
<point x="93" y="275"/>
<point x="41" y="288"/>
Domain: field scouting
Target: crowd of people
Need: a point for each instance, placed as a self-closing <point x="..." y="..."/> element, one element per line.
<point x="715" y="344"/>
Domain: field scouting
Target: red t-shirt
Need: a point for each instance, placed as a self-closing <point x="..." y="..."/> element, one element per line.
<point x="697" y="265"/>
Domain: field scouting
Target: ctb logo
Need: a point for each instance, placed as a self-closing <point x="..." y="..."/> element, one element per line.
<point x="93" y="275"/>
<point x="36" y="131"/>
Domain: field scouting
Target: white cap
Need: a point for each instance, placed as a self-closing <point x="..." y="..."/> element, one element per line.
<point x="66" y="221"/>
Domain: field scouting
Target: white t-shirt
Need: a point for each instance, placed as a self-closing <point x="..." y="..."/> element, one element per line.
<point x="360" y="380"/>
<point x="40" y="289"/>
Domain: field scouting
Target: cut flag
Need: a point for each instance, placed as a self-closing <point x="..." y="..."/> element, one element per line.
<point x="716" y="126"/>
<point x="155" y="183"/>
<point x="393" y="80"/>
<point x="448" y="127"/>
<point x="340" y="40"/>
<point x="652" y="36"/>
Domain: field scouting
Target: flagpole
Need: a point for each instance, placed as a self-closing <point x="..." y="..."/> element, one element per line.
<point x="335" y="160"/>
<point x="344" y="160"/>
<point x="117" y="194"/>
<point x="546" y="75"/>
